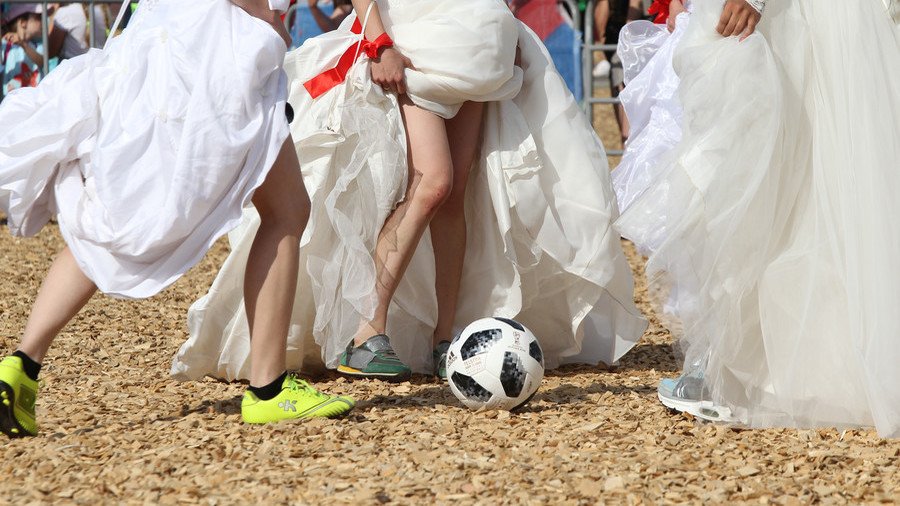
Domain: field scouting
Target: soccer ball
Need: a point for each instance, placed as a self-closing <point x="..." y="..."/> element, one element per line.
<point x="495" y="363"/>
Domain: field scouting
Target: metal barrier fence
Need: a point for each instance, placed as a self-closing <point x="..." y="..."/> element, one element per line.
<point x="587" y="67"/>
<point x="587" y="51"/>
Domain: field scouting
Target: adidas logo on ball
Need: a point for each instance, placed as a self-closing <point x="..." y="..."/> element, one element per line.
<point x="495" y="363"/>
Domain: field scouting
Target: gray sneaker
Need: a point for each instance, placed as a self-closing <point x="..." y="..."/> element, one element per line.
<point x="683" y="393"/>
<point x="439" y="357"/>
<point x="375" y="358"/>
<point x="688" y="394"/>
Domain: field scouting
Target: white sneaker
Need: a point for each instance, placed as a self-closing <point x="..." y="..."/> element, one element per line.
<point x="601" y="69"/>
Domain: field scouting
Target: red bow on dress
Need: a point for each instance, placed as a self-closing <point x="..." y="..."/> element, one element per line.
<point x="661" y="9"/>
<point x="319" y="85"/>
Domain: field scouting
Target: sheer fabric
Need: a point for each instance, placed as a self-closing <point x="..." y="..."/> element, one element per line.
<point x="539" y="207"/>
<point x="780" y="218"/>
<point x="650" y="100"/>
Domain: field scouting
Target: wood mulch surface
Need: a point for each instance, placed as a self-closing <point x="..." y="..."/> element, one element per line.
<point x="116" y="429"/>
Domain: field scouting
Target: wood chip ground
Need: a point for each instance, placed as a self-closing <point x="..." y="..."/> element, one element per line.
<point x="116" y="429"/>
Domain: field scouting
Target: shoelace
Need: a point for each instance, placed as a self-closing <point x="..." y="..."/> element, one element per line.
<point x="296" y="384"/>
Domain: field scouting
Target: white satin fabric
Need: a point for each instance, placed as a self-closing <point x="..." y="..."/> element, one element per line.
<point x="540" y="247"/>
<point x="650" y="100"/>
<point x="780" y="217"/>
<point x="148" y="150"/>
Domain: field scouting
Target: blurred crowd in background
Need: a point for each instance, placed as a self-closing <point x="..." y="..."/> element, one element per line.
<point x="561" y="24"/>
<point x="70" y="34"/>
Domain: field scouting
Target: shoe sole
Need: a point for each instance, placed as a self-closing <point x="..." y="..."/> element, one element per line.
<point x="700" y="409"/>
<point x="9" y="424"/>
<point x="335" y="408"/>
<point x="678" y="405"/>
<point x="331" y="409"/>
<point x="713" y="413"/>
<point x="384" y="376"/>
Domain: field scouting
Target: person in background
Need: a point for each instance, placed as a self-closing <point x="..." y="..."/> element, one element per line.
<point x="342" y="9"/>
<point x="103" y="20"/>
<point x="601" y="18"/>
<point x="21" y="49"/>
<point x="609" y="17"/>
<point x="126" y="18"/>
<point x="552" y="23"/>
<point x="650" y="99"/>
<point x="72" y="18"/>
<point x="621" y="12"/>
<point x="75" y="19"/>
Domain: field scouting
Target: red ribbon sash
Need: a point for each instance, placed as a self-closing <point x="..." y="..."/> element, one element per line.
<point x="320" y="84"/>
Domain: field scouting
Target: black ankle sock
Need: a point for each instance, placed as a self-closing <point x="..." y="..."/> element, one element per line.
<point x="32" y="368"/>
<point x="271" y="390"/>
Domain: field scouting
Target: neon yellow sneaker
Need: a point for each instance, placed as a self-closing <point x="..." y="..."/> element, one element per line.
<point x="296" y="400"/>
<point x="18" y="393"/>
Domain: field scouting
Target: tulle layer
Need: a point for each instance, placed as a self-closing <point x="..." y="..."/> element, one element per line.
<point x="149" y="150"/>
<point x="540" y="246"/>
<point x="779" y="236"/>
<point x="651" y="103"/>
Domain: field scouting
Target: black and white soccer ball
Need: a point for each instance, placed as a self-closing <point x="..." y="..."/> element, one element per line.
<point x="495" y="363"/>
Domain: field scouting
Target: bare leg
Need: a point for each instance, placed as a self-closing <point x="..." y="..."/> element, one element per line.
<point x="601" y="19"/>
<point x="62" y="295"/>
<point x="430" y="182"/>
<point x="621" y="117"/>
<point x="270" y="282"/>
<point x="448" y="227"/>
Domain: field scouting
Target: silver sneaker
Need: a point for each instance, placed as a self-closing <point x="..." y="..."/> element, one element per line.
<point x="688" y="394"/>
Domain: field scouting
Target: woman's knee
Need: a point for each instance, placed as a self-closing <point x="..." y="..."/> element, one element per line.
<point x="287" y="212"/>
<point x="433" y="190"/>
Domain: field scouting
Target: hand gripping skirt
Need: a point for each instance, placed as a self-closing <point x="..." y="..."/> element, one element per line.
<point x="148" y="151"/>
<point x="539" y="207"/>
<point x="778" y="213"/>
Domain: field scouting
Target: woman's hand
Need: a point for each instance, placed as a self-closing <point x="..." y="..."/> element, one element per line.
<point x="313" y="3"/>
<point x="738" y="18"/>
<point x="387" y="70"/>
<point x="281" y="30"/>
<point x="675" y="8"/>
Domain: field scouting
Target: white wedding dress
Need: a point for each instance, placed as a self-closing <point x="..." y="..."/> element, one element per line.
<point x="147" y="151"/>
<point x="650" y="100"/>
<point x="779" y="211"/>
<point x="540" y="247"/>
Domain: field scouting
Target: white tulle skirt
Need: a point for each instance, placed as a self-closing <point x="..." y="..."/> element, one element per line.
<point x="149" y="150"/>
<point x="650" y="100"/>
<point x="539" y="207"/>
<point x="781" y="239"/>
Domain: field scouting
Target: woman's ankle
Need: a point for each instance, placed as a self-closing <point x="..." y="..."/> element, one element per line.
<point x="365" y="332"/>
<point x="438" y="339"/>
